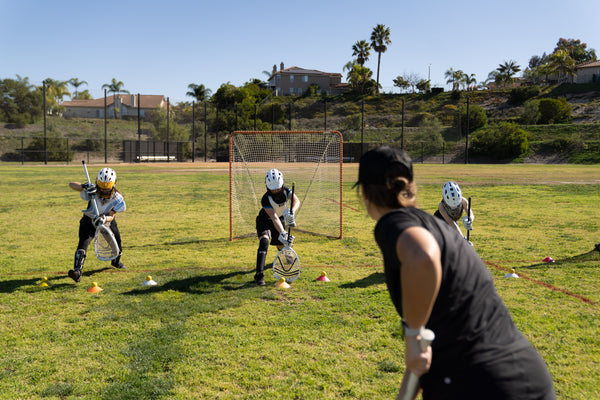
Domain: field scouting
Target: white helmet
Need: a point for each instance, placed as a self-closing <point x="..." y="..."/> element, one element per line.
<point x="451" y="194"/>
<point x="274" y="179"/>
<point x="107" y="177"/>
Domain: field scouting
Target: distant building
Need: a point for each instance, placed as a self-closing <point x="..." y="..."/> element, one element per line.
<point x="121" y="104"/>
<point x="588" y="72"/>
<point x="295" y="81"/>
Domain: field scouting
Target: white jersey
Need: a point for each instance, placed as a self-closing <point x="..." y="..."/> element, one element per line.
<point x="115" y="202"/>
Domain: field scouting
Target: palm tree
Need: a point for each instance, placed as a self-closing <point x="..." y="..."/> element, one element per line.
<point x="470" y="81"/>
<point x="380" y="39"/>
<point x="76" y="83"/>
<point x="454" y="77"/>
<point x="56" y="91"/>
<point x="199" y="92"/>
<point x="115" y="87"/>
<point x="359" y="78"/>
<point x="508" y="69"/>
<point x="362" y="51"/>
<point x="563" y="65"/>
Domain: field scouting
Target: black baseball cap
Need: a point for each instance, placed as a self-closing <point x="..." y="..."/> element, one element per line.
<point x="384" y="162"/>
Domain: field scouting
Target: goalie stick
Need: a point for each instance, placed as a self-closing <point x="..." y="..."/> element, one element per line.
<point x="412" y="381"/>
<point x="106" y="247"/>
<point x="469" y="216"/>
<point x="287" y="263"/>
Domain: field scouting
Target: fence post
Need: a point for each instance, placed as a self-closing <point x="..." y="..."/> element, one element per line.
<point x="325" y="109"/>
<point x="139" y="129"/>
<point x="22" y="152"/>
<point x="205" y="132"/>
<point x="45" y="142"/>
<point x="362" y="126"/>
<point x="193" y="130"/>
<point x="168" y="152"/>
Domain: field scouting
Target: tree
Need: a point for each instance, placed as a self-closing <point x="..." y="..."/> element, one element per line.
<point x="115" y="87"/>
<point x="199" y="92"/>
<point x="359" y="79"/>
<point x="507" y="71"/>
<point x="362" y="51"/>
<point x="469" y="80"/>
<point x="454" y="77"/>
<point x="501" y="141"/>
<point x="83" y="95"/>
<point x="576" y="50"/>
<point x="424" y="85"/>
<point x="76" y="83"/>
<point x="562" y="65"/>
<point x="380" y="39"/>
<point x="401" y="83"/>
<point x="55" y="92"/>
<point x="20" y="102"/>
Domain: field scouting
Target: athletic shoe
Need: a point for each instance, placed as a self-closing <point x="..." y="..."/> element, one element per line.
<point x="259" y="282"/>
<point x="598" y="246"/>
<point x="75" y="274"/>
<point x="120" y="265"/>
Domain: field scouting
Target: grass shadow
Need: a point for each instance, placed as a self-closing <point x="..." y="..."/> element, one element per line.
<point x="375" y="278"/>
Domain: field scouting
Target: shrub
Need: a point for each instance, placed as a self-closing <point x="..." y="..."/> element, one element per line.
<point x="519" y="95"/>
<point x="531" y="112"/>
<point x="477" y="117"/>
<point x="502" y="141"/>
<point x="553" y="111"/>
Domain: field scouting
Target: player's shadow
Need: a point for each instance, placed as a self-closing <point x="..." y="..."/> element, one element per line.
<point x="181" y="242"/>
<point x="202" y="284"/>
<point x="33" y="284"/>
<point x="592" y="255"/>
<point x="375" y="278"/>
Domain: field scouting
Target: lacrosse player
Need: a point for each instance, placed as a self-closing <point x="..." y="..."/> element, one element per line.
<point x="110" y="202"/>
<point x="271" y="220"/>
<point x="452" y="206"/>
<point x="438" y="282"/>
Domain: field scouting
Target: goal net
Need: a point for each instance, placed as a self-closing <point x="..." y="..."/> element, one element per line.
<point x="310" y="159"/>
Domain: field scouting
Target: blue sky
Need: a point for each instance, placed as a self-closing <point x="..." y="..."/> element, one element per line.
<point x="160" y="47"/>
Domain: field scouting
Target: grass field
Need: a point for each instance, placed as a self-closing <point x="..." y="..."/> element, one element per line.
<point x="206" y="332"/>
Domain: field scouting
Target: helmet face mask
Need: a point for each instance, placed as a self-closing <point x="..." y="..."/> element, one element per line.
<point x="106" y="180"/>
<point x="274" y="179"/>
<point x="452" y="195"/>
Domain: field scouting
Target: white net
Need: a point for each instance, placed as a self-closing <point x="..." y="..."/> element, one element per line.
<point x="310" y="159"/>
<point x="106" y="247"/>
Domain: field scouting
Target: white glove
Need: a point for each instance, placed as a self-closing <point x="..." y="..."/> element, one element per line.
<point x="99" y="220"/>
<point x="286" y="239"/>
<point x="288" y="215"/>
<point x="467" y="223"/>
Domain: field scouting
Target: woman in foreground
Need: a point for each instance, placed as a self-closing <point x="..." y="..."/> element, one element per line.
<point x="437" y="281"/>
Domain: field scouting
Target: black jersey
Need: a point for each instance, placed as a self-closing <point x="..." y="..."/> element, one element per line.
<point x="472" y="325"/>
<point x="277" y="202"/>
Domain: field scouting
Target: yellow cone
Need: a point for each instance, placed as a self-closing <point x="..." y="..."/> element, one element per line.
<point x="281" y="283"/>
<point x="149" y="281"/>
<point x="95" y="288"/>
<point x="323" y="277"/>
<point x="45" y="282"/>
<point x="511" y="274"/>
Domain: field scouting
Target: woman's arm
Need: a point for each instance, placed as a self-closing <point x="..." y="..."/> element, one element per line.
<point x="76" y="186"/>
<point x="275" y="219"/>
<point x="421" y="276"/>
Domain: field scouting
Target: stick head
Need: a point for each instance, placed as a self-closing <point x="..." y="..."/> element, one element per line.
<point x="286" y="265"/>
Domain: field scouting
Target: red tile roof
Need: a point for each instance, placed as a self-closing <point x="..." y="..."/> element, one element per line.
<point x="146" y="101"/>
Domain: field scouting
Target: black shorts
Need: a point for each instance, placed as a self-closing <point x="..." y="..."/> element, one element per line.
<point x="263" y="225"/>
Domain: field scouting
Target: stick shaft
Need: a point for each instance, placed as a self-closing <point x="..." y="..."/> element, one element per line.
<point x="412" y="381"/>
<point x="469" y="216"/>
<point x="292" y="205"/>
<point x="93" y="197"/>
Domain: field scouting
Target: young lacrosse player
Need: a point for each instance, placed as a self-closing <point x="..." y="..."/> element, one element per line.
<point x="271" y="220"/>
<point x="438" y="282"/>
<point x="453" y="205"/>
<point x="110" y="202"/>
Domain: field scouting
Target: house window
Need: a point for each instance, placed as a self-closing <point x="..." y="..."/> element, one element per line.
<point x="277" y="78"/>
<point x="291" y="78"/>
<point x="304" y="78"/>
<point x="292" y="91"/>
<point x="299" y="91"/>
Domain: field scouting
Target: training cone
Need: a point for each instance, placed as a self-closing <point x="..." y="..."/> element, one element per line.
<point x="95" y="288"/>
<point x="149" y="281"/>
<point x="548" y="259"/>
<point x="512" y="274"/>
<point x="281" y="283"/>
<point x="323" y="277"/>
<point x="45" y="282"/>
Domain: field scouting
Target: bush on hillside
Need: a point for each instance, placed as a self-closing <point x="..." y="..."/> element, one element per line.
<point x="521" y="94"/>
<point x="501" y="141"/>
<point x="554" y="111"/>
<point x="477" y="118"/>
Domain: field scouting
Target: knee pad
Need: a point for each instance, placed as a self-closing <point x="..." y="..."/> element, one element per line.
<point x="263" y="244"/>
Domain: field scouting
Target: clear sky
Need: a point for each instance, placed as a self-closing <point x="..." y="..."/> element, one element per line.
<point x="160" y="47"/>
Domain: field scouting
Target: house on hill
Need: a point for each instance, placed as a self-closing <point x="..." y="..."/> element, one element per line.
<point x="588" y="72"/>
<point x="121" y="105"/>
<point x="295" y="81"/>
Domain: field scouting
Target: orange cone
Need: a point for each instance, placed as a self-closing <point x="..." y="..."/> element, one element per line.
<point x="95" y="288"/>
<point x="281" y="283"/>
<point x="323" y="277"/>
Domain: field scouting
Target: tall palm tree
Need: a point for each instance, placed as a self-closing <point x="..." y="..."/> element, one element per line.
<point x="563" y="65"/>
<point x="76" y="83"/>
<point x="57" y="90"/>
<point x="380" y="39"/>
<point x="199" y="92"/>
<point x="362" y="51"/>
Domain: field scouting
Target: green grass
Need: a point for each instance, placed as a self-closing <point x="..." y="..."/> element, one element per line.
<point x="205" y="332"/>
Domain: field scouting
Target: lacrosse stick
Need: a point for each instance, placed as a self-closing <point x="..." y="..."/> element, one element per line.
<point x="412" y="381"/>
<point x="287" y="263"/>
<point x="469" y="216"/>
<point x="106" y="247"/>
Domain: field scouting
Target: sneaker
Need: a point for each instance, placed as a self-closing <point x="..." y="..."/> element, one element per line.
<point x="598" y="246"/>
<point x="75" y="274"/>
<point x="259" y="282"/>
<point x="120" y="265"/>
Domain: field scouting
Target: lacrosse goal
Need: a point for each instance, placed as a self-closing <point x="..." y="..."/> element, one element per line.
<point x="310" y="159"/>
